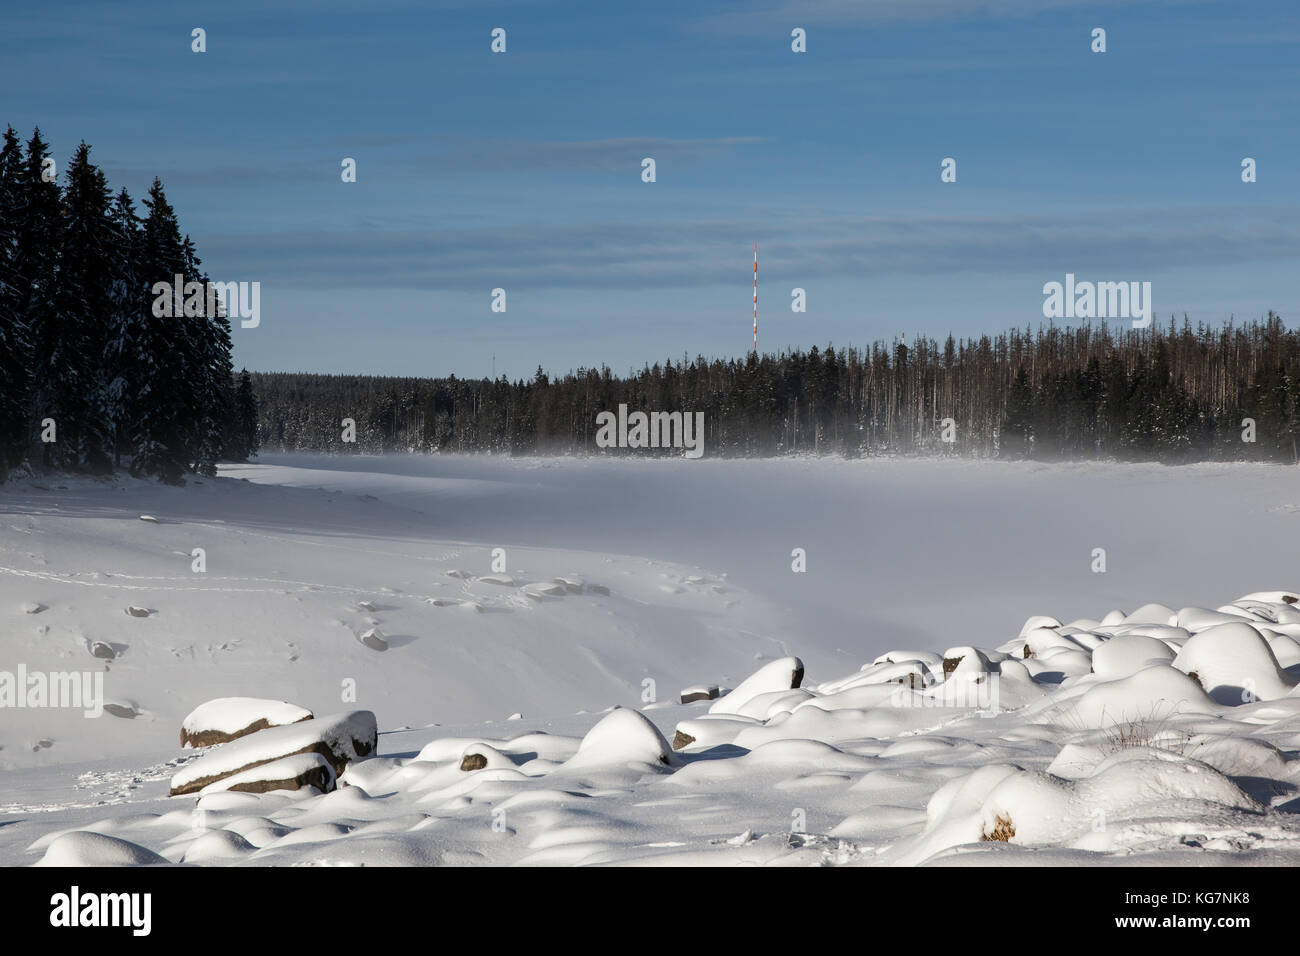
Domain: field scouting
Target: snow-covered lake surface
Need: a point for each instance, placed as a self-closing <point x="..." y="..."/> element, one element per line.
<point x="361" y="583"/>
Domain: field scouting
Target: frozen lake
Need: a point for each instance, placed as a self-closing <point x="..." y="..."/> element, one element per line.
<point x="891" y="545"/>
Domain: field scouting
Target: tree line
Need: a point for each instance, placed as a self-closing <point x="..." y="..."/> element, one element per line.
<point x="1174" y="394"/>
<point x="90" y="378"/>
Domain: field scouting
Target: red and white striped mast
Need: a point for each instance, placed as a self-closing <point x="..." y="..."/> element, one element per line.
<point x="756" y="298"/>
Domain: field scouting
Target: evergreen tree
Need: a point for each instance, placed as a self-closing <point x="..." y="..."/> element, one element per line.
<point x="15" y="334"/>
<point x="73" y="344"/>
<point x="160" y="425"/>
<point x="35" y="269"/>
<point x="211" y="395"/>
<point x="82" y="350"/>
<point x="1113" y="414"/>
<point x="1272" y="405"/>
<point x="127" y="301"/>
<point x="1017" y="425"/>
<point x="241" y="435"/>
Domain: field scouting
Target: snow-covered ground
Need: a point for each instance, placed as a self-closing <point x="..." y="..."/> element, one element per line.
<point x="344" y="584"/>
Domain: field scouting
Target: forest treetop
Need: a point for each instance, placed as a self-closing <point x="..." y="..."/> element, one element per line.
<point x="1173" y="394"/>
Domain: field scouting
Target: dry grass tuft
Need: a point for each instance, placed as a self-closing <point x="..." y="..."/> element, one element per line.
<point x="1003" y="831"/>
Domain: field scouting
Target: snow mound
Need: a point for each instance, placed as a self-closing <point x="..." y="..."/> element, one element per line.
<point x="1235" y="664"/>
<point x="217" y="845"/>
<point x="1087" y="742"/>
<point x="776" y="676"/>
<point x="1124" y="656"/>
<point x="1122" y="799"/>
<point x="1153" y="695"/>
<point x="1152" y="614"/>
<point x="84" y="848"/>
<point x="539" y="590"/>
<point x="709" y="731"/>
<point x="483" y="756"/>
<point x="622" y="737"/>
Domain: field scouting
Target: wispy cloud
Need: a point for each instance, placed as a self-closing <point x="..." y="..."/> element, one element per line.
<point x="233" y="175"/>
<point x="448" y="155"/>
<point x="849" y="13"/>
<point x="614" y="155"/>
<point x="614" y="255"/>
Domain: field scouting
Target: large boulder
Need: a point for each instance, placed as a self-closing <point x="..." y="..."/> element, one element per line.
<point x="339" y="739"/>
<point x="291" y="773"/>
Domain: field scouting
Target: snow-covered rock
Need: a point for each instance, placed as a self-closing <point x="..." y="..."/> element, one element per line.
<point x="227" y="718"/>
<point x="289" y="773"/>
<point x="623" y="736"/>
<point x="482" y="756"/>
<point x="339" y="738"/>
<point x="779" y="675"/>
<point x="1234" y="664"/>
<point x="1126" y="655"/>
<point x="965" y="661"/>
<point x="690" y="695"/>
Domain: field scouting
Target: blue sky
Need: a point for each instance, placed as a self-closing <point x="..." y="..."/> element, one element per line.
<point x="522" y="170"/>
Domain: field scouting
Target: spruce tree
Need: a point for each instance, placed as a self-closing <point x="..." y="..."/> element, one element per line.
<point x="74" y="341"/>
<point x="1017" y="425"/>
<point x="15" y="335"/>
<point x="210" y="395"/>
<point x="34" y="275"/>
<point x="127" y="301"/>
<point x="159" y="424"/>
<point x="241" y="432"/>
